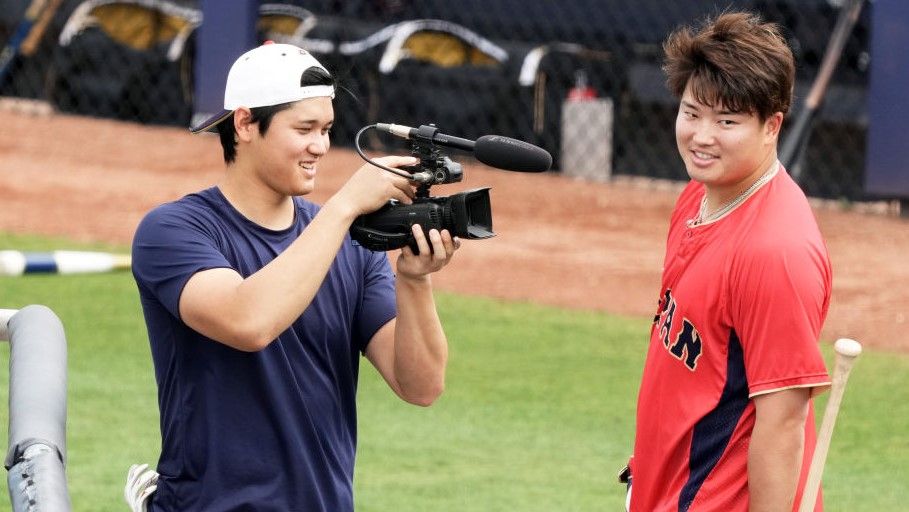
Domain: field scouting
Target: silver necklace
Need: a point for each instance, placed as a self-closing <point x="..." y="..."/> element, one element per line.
<point x="703" y="217"/>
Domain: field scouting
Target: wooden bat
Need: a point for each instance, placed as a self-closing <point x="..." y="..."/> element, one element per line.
<point x="846" y="352"/>
<point x="9" y="52"/>
<point x="31" y="42"/>
<point x="16" y="263"/>
<point x="793" y="149"/>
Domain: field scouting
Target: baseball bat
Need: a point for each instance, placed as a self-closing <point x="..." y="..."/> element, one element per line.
<point x="846" y="352"/>
<point x="9" y="52"/>
<point x="793" y="150"/>
<point x="31" y="42"/>
<point x="16" y="263"/>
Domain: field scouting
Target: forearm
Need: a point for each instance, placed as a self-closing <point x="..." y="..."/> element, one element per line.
<point x="270" y="300"/>
<point x="420" y="348"/>
<point x="774" y="462"/>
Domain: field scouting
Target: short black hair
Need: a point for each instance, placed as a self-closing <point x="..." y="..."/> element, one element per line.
<point x="264" y="115"/>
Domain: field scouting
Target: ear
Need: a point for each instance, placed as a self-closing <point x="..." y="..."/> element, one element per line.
<point x="243" y="124"/>
<point x="772" y="127"/>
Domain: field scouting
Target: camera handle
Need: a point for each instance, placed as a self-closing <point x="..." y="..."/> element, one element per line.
<point x="424" y="178"/>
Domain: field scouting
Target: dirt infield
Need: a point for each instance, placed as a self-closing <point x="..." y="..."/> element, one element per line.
<point x="559" y="241"/>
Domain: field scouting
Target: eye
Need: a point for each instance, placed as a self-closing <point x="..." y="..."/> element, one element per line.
<point x="689" y="115"/>
<point x="727" y="122"/>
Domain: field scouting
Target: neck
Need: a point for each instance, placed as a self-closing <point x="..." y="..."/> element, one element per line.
<point x="719" y="195"/>
<point x="255" y="200"/>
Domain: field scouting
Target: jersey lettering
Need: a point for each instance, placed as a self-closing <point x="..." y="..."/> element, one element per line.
<point x="687" y="346"/>
<point x="665" y="317"/>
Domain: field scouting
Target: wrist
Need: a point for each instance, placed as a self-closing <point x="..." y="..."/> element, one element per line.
<point x="340" y="208"/>
<point x="418" y="280"/>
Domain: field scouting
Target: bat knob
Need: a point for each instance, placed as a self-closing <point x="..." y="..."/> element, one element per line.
<point x="847" y="347"/>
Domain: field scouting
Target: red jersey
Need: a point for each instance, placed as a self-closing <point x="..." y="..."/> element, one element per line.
<point x="742" y="303"/>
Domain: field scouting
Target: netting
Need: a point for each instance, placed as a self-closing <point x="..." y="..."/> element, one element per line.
<point x="580" y="78"/>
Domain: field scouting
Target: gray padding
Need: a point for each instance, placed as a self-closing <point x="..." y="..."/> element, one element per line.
<point x="37" y="382"/>
<point x="38" y="483"/>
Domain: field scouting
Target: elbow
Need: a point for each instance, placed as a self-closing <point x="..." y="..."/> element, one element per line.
<point x="248" y="344"/>
<point x="251" y="338"/>
<point x="244" y="332"/>
<point x="426" y="396"/>
<point x="254" y="344"/>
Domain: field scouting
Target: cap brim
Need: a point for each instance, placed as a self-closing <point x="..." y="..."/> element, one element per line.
<point x="209" y="124"/>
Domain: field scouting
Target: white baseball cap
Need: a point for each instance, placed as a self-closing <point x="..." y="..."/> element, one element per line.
<point x="265" y="76"/>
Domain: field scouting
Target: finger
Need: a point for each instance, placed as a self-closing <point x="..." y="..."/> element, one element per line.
<point x="145" y="480"/>
<point x="405" y="186"/>
<point x="135" y="469"/>
<point x="403" y="195"/>
<point x="448" y="242"/>
<point x="147" y="492"/>
<point x="422" y="244"/>
<point x="439" y="252"/>
<point x="395" y="164"/>
<point x="397" y="161"/>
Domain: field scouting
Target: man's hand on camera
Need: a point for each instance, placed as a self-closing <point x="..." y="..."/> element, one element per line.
<point x="371" y="187"/>
<point x="434" y="254"/>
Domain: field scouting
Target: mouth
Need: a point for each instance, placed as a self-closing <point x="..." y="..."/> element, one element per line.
<point x="308" y="168"/>
<point x="702" y="158"/>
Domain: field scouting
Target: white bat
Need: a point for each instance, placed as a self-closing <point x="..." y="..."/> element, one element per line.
<point x="16" y="263"/>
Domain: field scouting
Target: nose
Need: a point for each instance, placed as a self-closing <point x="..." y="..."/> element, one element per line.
<point x="702" y="134"/>
<point x="319" y="145"/>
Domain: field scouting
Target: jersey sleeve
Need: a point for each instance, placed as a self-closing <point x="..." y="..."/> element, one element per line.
<point x="778" y="299"/>
<point x="169" y="247"/>
<point x="379" y="305"/>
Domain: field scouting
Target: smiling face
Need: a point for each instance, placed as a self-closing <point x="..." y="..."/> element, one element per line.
<point x="726" y="151"/>
<point x="286" y="157"/>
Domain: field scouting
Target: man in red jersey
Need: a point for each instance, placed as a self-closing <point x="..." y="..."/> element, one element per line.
<point x="724" y="420"/>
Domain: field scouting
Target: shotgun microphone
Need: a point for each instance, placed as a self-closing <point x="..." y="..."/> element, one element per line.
<point x="493" y="150"/>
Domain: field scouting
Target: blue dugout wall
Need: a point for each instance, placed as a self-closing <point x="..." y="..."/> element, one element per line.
<point x="227" y="33"/>
<point x="887" y="166"/>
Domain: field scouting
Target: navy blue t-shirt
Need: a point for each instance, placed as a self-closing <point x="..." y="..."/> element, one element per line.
<point x="273" y="430"/>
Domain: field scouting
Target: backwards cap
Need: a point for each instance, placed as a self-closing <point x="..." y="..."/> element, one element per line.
<point x="265" y="76"/>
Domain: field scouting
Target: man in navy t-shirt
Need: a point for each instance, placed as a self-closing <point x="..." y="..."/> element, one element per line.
<point x="258" y="307"/>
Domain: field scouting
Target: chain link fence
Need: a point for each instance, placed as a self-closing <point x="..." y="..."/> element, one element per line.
<point x="580" y="78"/>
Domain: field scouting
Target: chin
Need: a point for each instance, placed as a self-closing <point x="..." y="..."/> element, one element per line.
<point x="694" y="173"/>
<point x="303" y="188"/>
<point x="700" y="174"/>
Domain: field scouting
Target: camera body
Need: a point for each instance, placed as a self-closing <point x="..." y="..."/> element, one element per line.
<point x="467" y="214"/>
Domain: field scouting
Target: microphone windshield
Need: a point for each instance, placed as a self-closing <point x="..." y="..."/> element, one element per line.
<point x="511" y="154"/>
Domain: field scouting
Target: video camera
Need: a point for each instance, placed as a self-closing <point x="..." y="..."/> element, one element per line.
<point x="467" y="214"/>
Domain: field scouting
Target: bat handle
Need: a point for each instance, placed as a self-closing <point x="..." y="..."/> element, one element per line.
<point x="846" y="352"/>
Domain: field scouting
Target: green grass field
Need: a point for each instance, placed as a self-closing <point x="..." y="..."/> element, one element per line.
<point x="537" y="414"/>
